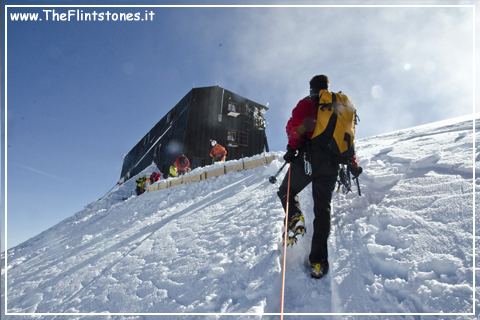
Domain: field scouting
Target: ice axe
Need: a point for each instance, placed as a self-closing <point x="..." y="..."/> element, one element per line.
<point x="273" y="179"/>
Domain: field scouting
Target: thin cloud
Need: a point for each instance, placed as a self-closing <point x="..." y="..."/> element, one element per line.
<point x="43" y="173"/>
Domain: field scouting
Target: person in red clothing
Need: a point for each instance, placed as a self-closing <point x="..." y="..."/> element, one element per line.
<point x="182" y="164"/>
<point x="154" y="177"/>
<point x="310" y="163"/>
<point x="218" y="152"/>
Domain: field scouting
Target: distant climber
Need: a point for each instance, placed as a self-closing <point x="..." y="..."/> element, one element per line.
<point x="173" y="172"/>
<point x="218" y="152"/>
<point x="182" y="164"/>
<point x="141" y="185"/>
<point x="154" y="177"/>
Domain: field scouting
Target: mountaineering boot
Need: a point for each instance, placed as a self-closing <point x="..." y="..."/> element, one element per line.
<point x="319" y="270"/>
<point x="296" y="226"/>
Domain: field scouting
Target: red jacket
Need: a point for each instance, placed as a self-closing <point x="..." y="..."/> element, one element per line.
<point x="177" y="164"/>
<point x="301" y="125"/>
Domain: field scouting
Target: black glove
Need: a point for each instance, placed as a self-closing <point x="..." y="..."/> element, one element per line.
<point x="290" y="155"/>
<point x="355" y="171"/>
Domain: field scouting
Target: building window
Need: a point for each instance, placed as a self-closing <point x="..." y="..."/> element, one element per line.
<point x="231" y="136"/>
<point x="196" y="162"/>
<point x="171" y="115"/>
<point x="237" y="138"/>
<point x="249" y="111"/>
<point x="156" y="150"/>
<point x="146" y="139"/>
<point x="233" y="109"/>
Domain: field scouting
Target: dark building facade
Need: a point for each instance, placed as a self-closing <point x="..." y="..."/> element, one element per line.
<point x="203" y="114"/>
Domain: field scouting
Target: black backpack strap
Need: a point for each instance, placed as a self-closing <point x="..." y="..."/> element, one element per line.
<point x="330" y="105"/>
<point x="322" y="106"/>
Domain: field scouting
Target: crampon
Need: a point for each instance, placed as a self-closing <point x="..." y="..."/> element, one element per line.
<point x="292" y="235"/>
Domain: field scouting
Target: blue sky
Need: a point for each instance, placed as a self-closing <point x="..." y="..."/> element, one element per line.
<point x="81" y="94"/>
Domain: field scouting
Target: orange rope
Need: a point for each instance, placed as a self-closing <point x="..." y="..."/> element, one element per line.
<point x="285" y="246"/>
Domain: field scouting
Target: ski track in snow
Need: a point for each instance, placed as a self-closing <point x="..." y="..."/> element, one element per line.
<point x="404" y="247"/>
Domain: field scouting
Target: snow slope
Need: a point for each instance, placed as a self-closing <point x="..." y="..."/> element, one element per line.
<point x="404" y="249"/>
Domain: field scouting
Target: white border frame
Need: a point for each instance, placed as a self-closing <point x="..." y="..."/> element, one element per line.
<point x="234" y="6"/>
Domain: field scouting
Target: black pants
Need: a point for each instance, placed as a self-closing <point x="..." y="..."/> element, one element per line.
<point x="140" y="190"/>
<point x="323" y="179"/>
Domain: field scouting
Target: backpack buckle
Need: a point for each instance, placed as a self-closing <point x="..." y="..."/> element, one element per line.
<point x="307" y="165"/>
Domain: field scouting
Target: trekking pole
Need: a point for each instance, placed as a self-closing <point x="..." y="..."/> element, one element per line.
<point x="284" y="246"/>
<point x="357" y="182"/>
<point x="273" y="179"/>
<point x="358" y="186"/>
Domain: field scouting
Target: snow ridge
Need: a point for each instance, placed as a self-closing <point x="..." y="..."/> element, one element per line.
<point x="402" y="250"/>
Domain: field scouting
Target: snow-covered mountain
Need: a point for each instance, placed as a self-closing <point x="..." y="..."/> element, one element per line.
<point x="403" y="250"/>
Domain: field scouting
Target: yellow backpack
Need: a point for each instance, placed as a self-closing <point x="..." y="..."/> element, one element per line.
<point x="335" y="127"/>
<point x="173" y="172"/>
